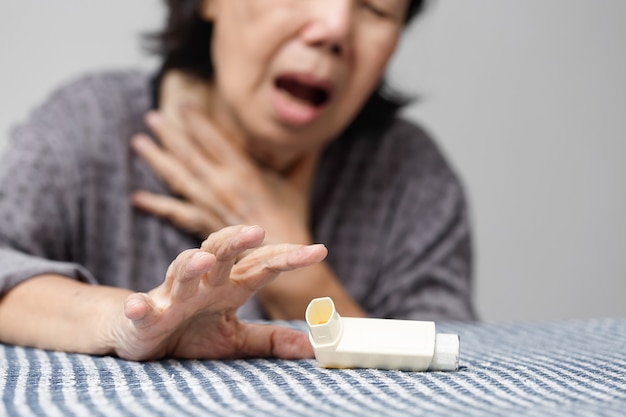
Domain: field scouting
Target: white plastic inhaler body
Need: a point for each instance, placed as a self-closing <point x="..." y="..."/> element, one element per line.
<point x="350" y="342"/>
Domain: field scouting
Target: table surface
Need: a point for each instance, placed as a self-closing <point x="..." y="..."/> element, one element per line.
<point x="573" y="368"/>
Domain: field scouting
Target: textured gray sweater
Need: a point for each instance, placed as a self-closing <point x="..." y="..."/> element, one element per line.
<point x="388" y="207"/>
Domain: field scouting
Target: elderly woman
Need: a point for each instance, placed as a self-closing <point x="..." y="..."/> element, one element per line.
<point x="267" y="113"/>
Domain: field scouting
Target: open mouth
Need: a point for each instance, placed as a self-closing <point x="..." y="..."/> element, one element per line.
<point x="311" y="92"/>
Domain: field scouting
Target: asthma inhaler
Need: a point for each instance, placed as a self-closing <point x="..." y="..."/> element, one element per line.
<point x="350" y="342"/>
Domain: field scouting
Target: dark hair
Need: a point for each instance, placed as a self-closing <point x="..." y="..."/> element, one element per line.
<point x="184" y="44"/>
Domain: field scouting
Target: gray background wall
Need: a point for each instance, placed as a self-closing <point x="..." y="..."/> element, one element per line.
<point x="527" y="98"/>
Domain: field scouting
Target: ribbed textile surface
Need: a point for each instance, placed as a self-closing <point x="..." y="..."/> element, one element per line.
<point x="573" y="368"/>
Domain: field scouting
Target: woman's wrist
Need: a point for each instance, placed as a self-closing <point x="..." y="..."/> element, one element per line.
<point x="59" y="313"/>
<point x="288" y="296"/>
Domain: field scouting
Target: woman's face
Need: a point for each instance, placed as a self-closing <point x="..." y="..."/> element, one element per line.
<point x="291" y="74"/>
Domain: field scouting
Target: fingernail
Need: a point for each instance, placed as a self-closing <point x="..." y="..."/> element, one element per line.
<point x="200" y="255"/>
<point x="198" y="262"/>
<point x="313" y="248"/>
<point x="137" y="197"/>
<point x="138" y="141"/>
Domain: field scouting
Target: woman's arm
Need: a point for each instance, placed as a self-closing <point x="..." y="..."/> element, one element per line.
<point x="58" y="313"/>
<point x="288" y="296"/>
<point x="191" y="315"/>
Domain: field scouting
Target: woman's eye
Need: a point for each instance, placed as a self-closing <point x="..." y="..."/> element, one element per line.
<point x="373" y="8"/>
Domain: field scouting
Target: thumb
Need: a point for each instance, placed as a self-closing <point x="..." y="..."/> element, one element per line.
<point x="274" y="341"/>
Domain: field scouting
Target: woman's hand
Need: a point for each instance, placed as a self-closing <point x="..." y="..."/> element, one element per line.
<point x="218" y="184"/>
<point x="193" y="313"/>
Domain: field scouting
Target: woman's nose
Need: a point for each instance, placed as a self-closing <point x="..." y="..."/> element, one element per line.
<point x="330" y="25"/>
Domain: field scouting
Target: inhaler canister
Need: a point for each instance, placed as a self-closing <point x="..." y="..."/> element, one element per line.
<point x="350" y="342"/>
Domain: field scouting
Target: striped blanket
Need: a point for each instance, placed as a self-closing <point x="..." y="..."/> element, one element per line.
<point x="573" y="368"/>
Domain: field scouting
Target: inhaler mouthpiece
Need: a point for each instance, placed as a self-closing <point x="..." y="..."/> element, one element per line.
<point x="349" y="342"/>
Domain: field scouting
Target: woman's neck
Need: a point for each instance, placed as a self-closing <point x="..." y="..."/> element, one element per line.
<point x="178" y="89"/>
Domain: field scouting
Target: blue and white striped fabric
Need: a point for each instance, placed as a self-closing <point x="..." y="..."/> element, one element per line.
<point x="529" y="369"/>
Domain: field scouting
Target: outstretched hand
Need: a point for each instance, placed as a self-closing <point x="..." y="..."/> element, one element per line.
<point x="193" y="313"/>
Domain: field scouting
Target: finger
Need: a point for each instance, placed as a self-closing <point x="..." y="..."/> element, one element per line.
<point x="174" y="270"/>
<point x="274" y="341"/>
<point x="183" y="182"/>
<point x="284" y="257"/>
<point x="178" y="178"/>
<point x="167" y="167"/>
<point x="193" y="268"/>
<point x="263" y="265"/>
<point x="183" y="146"/>
<point x="141" y="310"/>
<point x="209" y="138"/>
<point x="185" y="215"/>
<point x="230" y="241"/>
<point x="227" y="244"/>
<point x="175" y="140"/>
